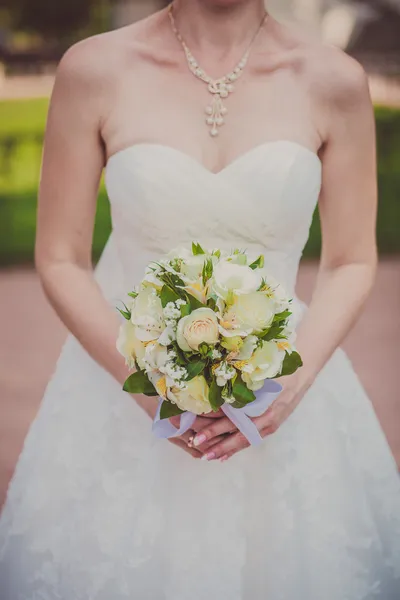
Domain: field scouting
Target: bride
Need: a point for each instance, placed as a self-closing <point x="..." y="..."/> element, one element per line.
<point x="98" y="508"/>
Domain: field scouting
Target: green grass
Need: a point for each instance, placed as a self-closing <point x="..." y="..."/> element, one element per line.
<point x="23" y="116"/>
<point x="22" y="125"/>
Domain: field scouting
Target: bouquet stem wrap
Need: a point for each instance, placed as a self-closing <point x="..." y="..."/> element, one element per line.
<point x="163" y="428"/>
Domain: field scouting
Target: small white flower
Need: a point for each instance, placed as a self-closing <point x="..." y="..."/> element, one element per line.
<point x="224" y="373"/>
<point x="171" y="311"/>
<point x="215" y="354"/>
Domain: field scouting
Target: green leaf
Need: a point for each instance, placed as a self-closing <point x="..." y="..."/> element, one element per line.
<point x="282" y="316"/>
<point x="215" y="395"/>
<point x="125" y="313"/>
<point x="171" y="280"/>
<point x="195" y="368"/>
<point x="138" y="383"/>
<point x="211" y="303"/>
<point x="194" y="303"/>
<point x="185" y="310"/>
<point x="241" y="393"/>
<point x="197" y="249"/>
<point x="169" y="410"/>
<point x="182" y="358"/>
<point x="133" y="294"/>
<point x="168" y="295"/>
<point x="208" y="269"/>
<point x="204" y="349"/>
<point x="258" y="263"/>
<point x="273" y="333"/>
<point x="291" y="363"/>
<point x="217" y="253"/>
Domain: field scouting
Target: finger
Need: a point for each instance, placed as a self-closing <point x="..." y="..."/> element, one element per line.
<point x="181" y="444"/>
<point x="211" y="443"/>
<point x="219" y="427"/>
<point x="229" y="446"/>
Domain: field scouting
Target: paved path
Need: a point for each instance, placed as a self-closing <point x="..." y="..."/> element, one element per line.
<point x="31" y="337"/>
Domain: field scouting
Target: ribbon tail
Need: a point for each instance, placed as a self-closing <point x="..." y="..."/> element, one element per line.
<point x="163" y="428"/>
<point x="243" y="423"/>
<point x="240" y="416"/>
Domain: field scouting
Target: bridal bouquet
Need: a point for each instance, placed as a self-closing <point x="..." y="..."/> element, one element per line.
<point x="206" y="330"/>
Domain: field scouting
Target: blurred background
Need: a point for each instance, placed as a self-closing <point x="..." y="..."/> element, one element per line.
<point x="33" y="36"/>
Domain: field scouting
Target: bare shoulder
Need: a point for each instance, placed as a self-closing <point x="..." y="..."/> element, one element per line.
<point x="98" y="60"/>
<point x="338" y="79"/>
<point x="331" y="75"/>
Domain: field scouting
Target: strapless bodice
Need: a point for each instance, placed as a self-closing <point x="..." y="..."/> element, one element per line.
<point x="262" y="201"/>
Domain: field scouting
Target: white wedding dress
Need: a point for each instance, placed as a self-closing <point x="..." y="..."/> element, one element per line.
<point x="99" y="509"/>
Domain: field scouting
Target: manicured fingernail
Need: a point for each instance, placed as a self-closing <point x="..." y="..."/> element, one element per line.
<point x="208" y="456"/>
<point x="199" y="439"/>
<point x="224" y="458"/>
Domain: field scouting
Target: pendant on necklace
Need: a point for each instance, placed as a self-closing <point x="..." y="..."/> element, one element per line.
<point x="217" y="110"/>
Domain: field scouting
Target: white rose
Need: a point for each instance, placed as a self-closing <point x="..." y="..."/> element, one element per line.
<point x="130" y="346"/>
<point x="147" y="315"/>
<point x="231" y="278"/>
<point x="194" y="397"/>
<point x="265" y="363"/>
<point x="198" y="327"/>
<point x="249" y="313"/>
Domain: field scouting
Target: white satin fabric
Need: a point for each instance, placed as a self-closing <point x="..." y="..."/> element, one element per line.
<point x="98" y="509"/>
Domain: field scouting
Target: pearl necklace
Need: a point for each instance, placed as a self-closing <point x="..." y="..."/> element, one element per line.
<point x="219" y="88"/>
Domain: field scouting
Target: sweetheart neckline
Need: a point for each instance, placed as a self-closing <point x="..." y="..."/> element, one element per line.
<point x="194" y="160"/>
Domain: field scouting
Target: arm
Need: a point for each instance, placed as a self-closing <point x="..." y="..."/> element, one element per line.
<point x="348" y="204"/>
<point x="73" y="160"/>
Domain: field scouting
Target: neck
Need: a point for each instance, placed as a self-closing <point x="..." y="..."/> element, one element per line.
<point x="218" y="24"/>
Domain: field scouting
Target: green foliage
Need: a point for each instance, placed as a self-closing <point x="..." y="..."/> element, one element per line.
<point x="21" y="134"/>
<point x="258" y="263"/>
<point x="194" y="303"/>
<point x="291" y="363"/>
<point x="125" y="313"/>
<point x="138" y="383"/>
<point x="241" y="393"/>
<point x="168" y="295"/>
<point x="215" y="395"/>
<point x="208" y="269"/>
<point x="169" y="410"/>
<point x="197" y="249"/>
<point x="194" y="368"/>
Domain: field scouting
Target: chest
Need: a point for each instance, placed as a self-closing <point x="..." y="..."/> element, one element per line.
<point x="171" y="106"/>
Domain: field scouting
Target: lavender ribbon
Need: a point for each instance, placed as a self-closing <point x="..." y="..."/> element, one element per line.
<point x="163" y="428"/>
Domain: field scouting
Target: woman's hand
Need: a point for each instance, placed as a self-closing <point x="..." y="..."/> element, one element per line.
<point x="201" y="422"/>
<point x="150" y="405"/>
<point x="209" y="441"/>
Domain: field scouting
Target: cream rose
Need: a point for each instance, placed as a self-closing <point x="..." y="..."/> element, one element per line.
<point x="147" y="315"/>
<point x="201" y="326"/>
<point x="193" y="398"/>
<point x="130" y="346"/>
<point x="229" y="278"/>
<point x="249" y="313"/>
<point x="265" y="363"/>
